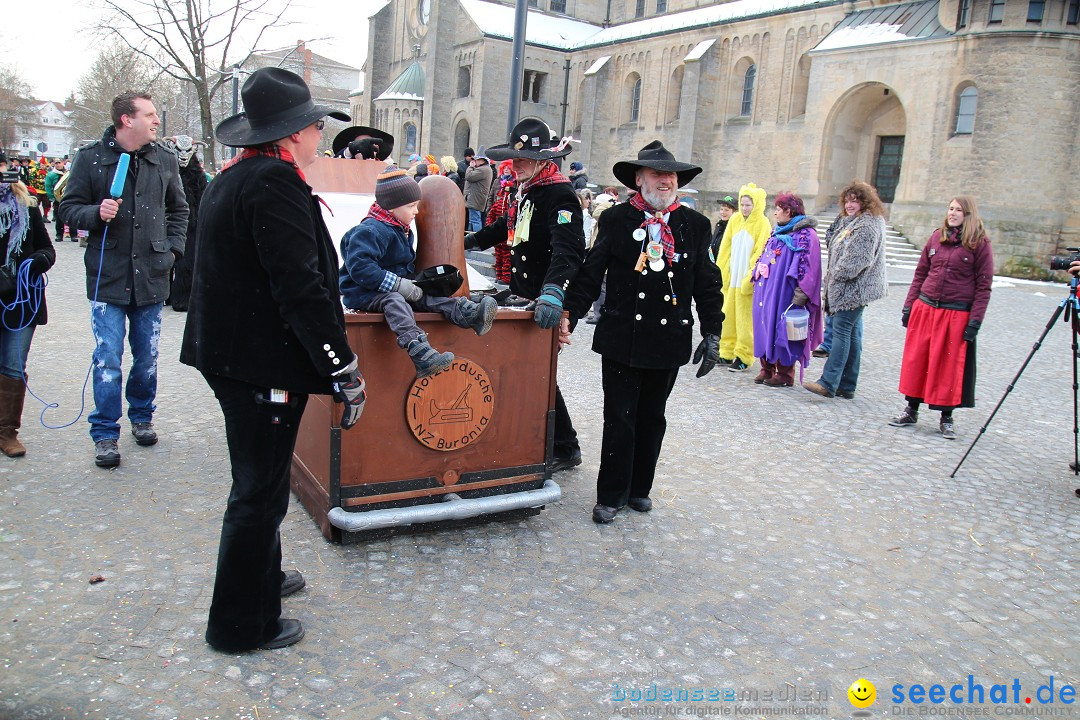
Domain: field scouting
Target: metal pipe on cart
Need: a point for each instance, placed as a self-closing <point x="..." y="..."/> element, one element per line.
<point x="453" y="507"/>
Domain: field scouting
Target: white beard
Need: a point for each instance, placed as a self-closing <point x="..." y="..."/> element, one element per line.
<point x="659" y="200"/>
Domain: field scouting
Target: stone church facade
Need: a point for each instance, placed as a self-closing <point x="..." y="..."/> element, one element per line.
<point x="926" y="99"/>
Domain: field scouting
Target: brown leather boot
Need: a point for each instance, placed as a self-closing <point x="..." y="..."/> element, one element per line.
<point x="783" y="377"/>
<point x="12" y="394"/>
<point x="767" y="370"/>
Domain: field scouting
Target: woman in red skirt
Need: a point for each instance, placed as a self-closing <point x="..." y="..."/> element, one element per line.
<point x="942" y="313"/>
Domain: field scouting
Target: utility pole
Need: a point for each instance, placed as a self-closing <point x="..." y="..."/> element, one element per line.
<point x="517" y="68"/>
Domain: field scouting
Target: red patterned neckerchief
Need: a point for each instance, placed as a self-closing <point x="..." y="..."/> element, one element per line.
<point x="548" y="175"/>
<point x="383" y="215"/>
<point x="269" y="150"/>
<point x="653" y="217"/>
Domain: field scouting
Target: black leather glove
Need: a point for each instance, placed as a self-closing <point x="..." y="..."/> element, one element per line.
<point x="349" y="390"/>
<point x="971" y="330"/>
<point x="799" y="299"/>
<point x="39" y="263"/>
<point x="707" y="353"/>
<point x="410" y="290"/>
<point x="548" y="310"/>
<point x="904" y="315"/>
<point x="471" y="243"/>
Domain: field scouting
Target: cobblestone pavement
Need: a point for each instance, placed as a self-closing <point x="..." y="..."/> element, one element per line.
<point x="796" y="541"/>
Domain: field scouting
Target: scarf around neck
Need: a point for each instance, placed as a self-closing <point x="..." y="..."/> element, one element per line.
<point x="14" y="222"/>
<point x="274" y="151"/>
<point x="656" y="217"/>
<point x="548" y="175"/>
<point x="381" y="214"/>
<point x="783" y="233"/>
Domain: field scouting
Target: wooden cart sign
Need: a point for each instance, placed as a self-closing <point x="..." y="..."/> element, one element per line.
<point x="451" y="409"/>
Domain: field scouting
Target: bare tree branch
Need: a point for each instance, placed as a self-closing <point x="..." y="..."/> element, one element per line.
<point x="179" y="37"/>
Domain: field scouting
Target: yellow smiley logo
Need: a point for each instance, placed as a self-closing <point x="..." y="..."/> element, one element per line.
<point x="862" y="693"/>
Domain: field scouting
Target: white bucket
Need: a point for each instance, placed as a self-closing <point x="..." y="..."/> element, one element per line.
<point x="797" y="321"/>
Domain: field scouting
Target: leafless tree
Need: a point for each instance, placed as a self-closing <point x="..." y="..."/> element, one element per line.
<point x="115" y="70"/>
<point x="195" y="42"/>
<point x="16" y="103"/>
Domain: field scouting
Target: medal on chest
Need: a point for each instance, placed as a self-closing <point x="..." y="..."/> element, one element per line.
<point x="643" y="258"/>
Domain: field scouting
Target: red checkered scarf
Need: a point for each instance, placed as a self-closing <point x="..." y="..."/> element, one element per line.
<point x="548" y="175"/>
<point x="269" y="150"/>
<point x="652" y="217"/>
<point x="382" y="215"/>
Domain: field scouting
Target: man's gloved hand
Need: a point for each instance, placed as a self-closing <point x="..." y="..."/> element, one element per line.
<point x="707" y="353"/>
<point x="548" y="310"/>
<point x="799" y="299"/>
<point x="904" y="315"/>
<point x="971" y="330"/>
<point x="349" y="388"/>
<point x="365" y="148"/>
<point x="39" y="263"/>
<point x="471" y="243"/>
<point x="410" y="290"/>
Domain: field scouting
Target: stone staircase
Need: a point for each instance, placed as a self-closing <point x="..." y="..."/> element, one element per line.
<point x="899" y="252"/>
<point x="483" y="261"/>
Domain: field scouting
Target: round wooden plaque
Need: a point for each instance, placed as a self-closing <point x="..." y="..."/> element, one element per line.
<point x="451" y="410"/>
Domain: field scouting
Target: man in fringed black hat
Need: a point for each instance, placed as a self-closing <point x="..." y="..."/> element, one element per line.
<point x="266" y="329"/>
<point x="655" y="253"/>
<point x="544" y="229"/>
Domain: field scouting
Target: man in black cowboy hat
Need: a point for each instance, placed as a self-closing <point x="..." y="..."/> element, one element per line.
<point x="547" y="244"/>
<point x="266" y="329"/>
<point x="655" y="253"/>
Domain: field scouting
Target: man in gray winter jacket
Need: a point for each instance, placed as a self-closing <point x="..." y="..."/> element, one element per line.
<point x="477" y="185"/>
<point x="134" y="241"/>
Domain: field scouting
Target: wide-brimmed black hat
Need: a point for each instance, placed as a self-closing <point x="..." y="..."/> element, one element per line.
<point x="277" y="103"/>
<point x="383" y="142"/>
<point x="532" y="139"/>
<point x="655" y="156"/>
<point x="439" y="280"/>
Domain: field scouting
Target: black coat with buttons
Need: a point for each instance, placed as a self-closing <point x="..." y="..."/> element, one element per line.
<point x="265" y="307"/>
<point x="556" y="243"/>
<point x="646" y="321"/>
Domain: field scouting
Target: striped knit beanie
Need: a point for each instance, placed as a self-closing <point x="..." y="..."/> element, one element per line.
<point x="394" y="188"/>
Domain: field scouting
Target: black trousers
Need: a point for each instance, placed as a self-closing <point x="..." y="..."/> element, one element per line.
<point x="246" y="607"/>
<point x="635" y="400"/>
<point x="566" y="442"/>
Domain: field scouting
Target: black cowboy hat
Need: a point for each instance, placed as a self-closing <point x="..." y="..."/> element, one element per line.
<point x="277" y="103"/>
<point x="655" y="156"/>
<point x="383" y="141"/>
<point x="532" y="139"/>
<point x="439" y="280"/>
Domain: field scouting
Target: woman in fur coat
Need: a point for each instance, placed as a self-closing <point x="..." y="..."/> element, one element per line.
<point x="856" y="278"/>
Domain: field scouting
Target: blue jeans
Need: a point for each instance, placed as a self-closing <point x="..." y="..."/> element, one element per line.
<point x="475" y="221"/>
<point x="14" y="347"/>
<point x="826" y="342"/>
<point x="109" y="325"/>
<point x="841" y="370"/>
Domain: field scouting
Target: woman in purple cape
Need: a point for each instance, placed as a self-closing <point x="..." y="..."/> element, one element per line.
<point x="788" y="273"/>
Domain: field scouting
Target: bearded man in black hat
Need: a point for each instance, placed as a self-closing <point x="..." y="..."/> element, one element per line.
<point x="544" y="228"/>
<point x="266" y="329"/>
<point x="655" y="253"/>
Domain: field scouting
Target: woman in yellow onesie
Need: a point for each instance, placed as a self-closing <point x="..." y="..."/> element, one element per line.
<point x="744" y="239"/>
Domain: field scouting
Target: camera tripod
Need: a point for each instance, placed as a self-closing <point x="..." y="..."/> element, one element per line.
<point x="1071" y="307"/>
